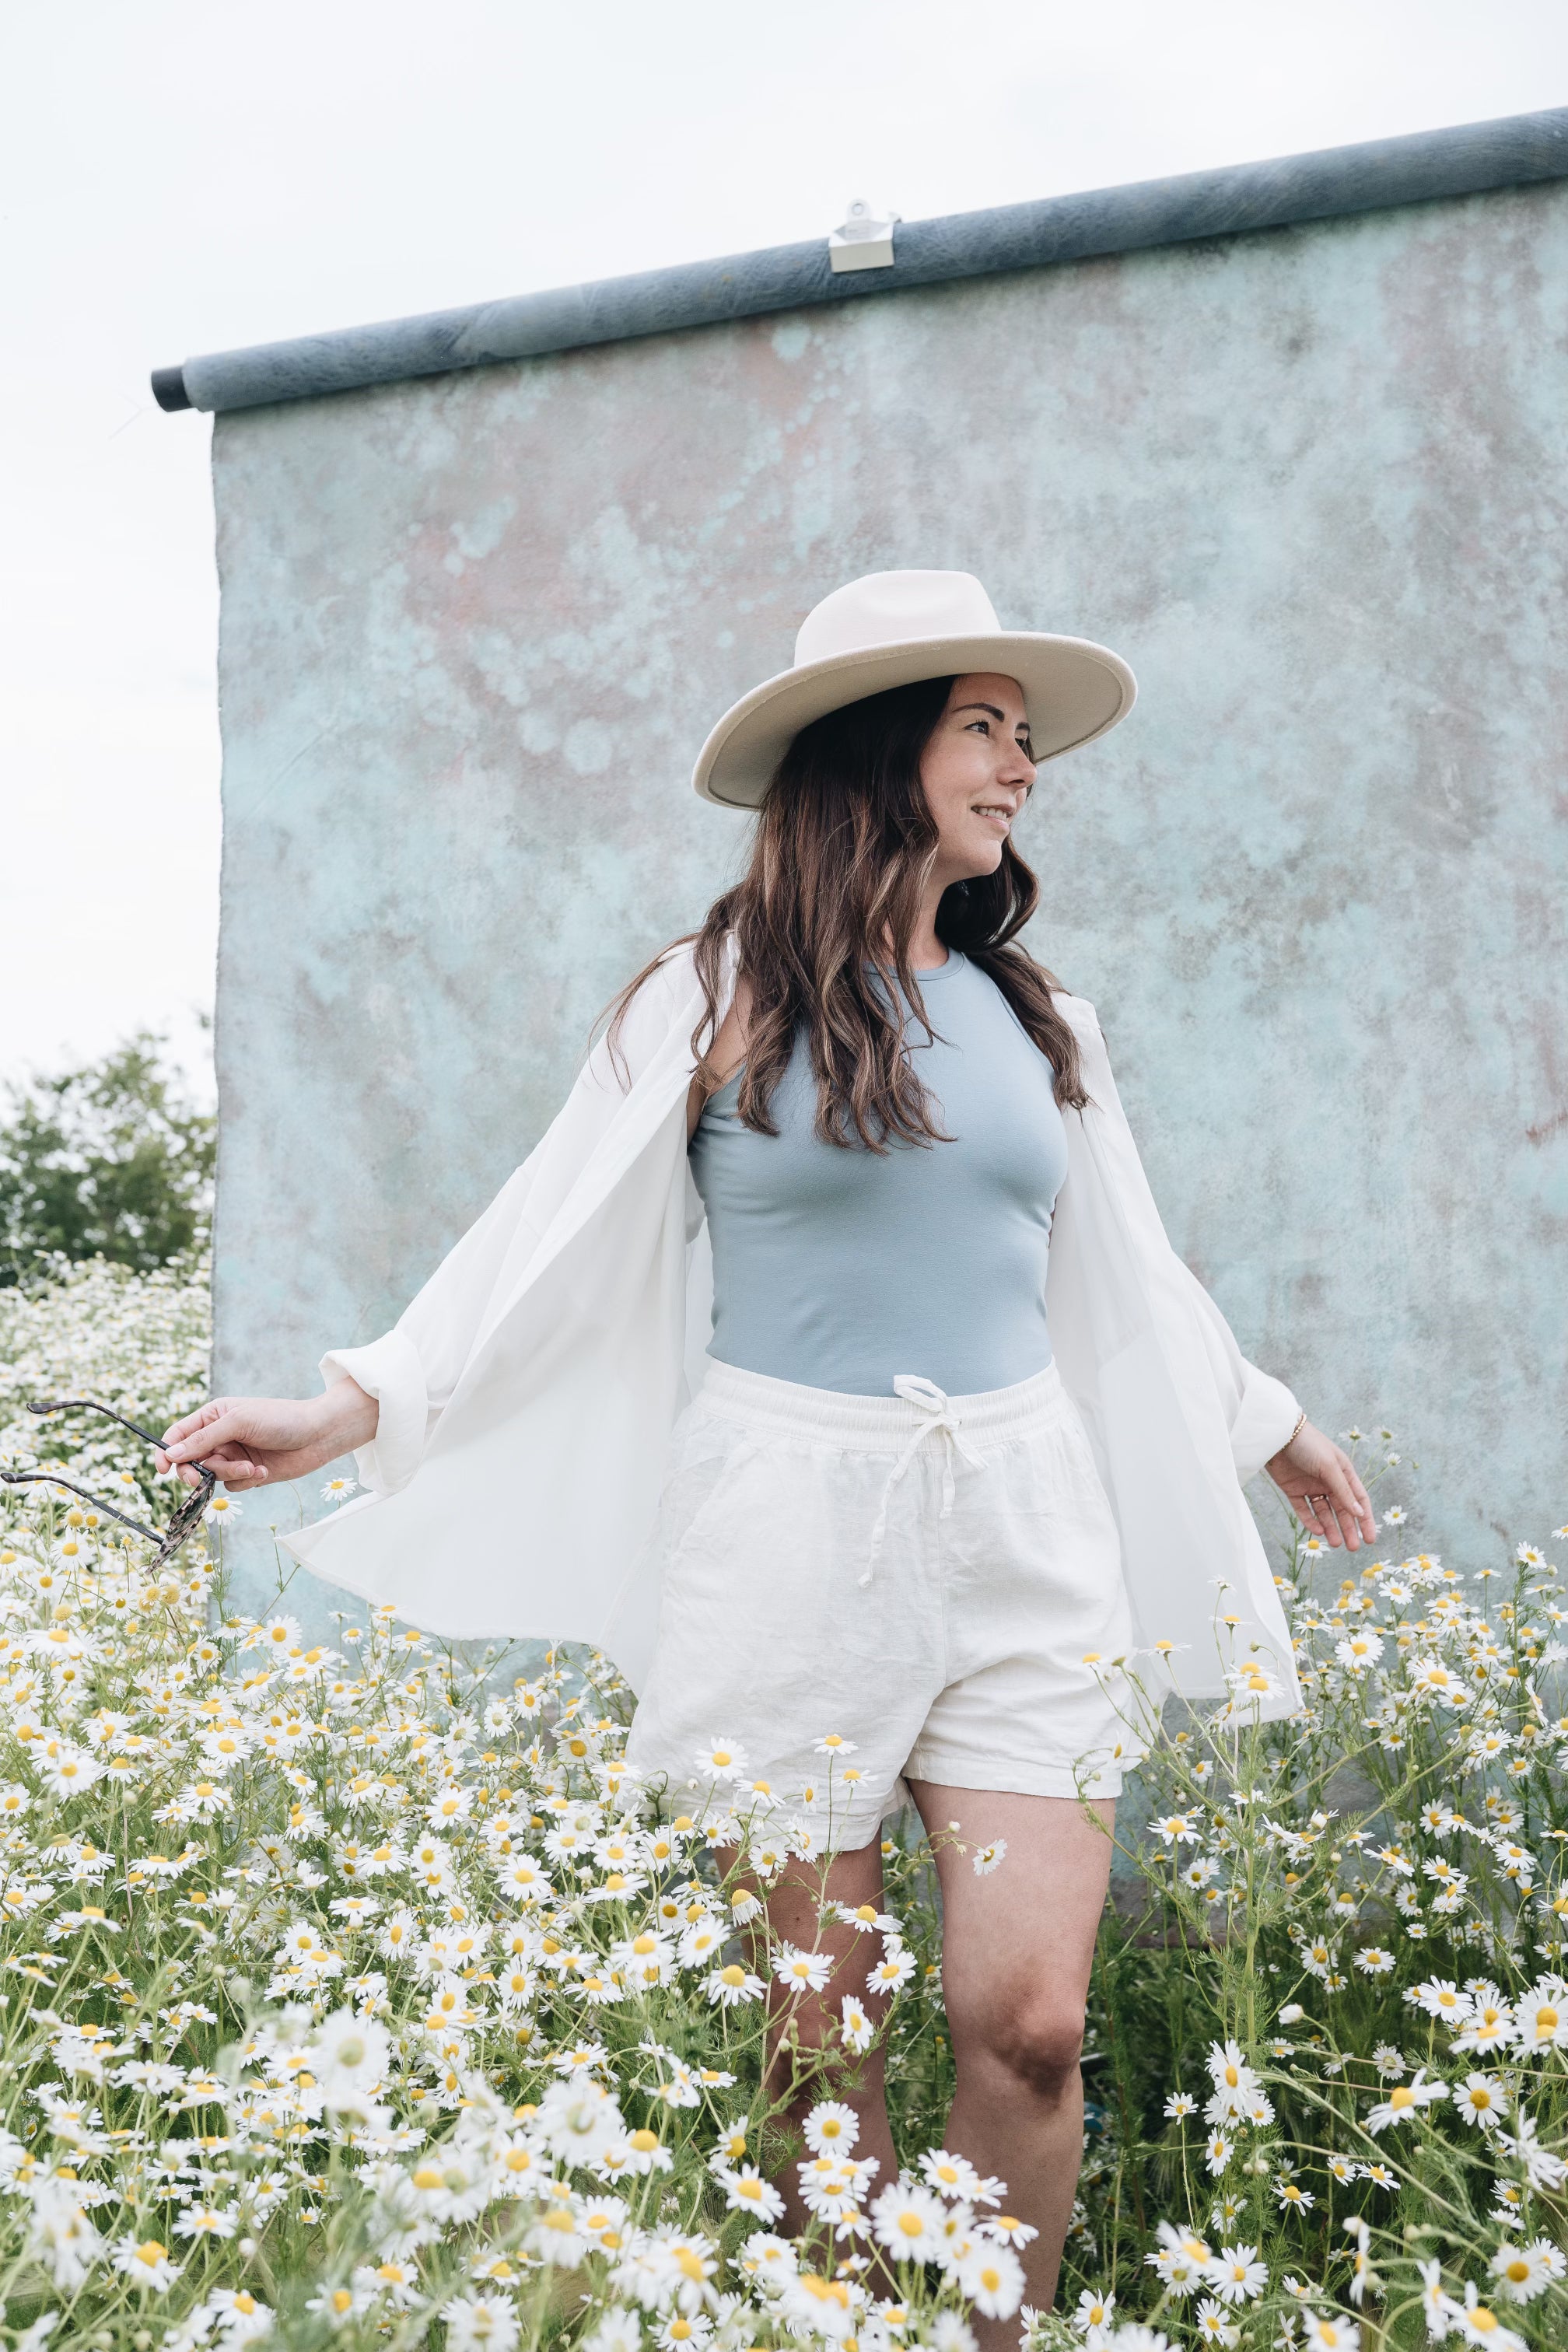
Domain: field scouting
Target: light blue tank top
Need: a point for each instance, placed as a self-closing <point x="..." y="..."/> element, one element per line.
<point x="840" y="1269"/>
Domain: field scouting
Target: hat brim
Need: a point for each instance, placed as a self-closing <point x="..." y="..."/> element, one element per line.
<point x="1073" y="691"/>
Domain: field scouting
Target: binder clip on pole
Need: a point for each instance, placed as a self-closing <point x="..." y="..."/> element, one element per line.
<point x="865" y="241"/>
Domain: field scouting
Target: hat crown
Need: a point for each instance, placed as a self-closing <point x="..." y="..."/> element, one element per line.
<point x="891" y="608"/>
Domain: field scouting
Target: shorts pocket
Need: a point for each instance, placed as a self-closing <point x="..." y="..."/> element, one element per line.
<point x="1081" y="1452"/>
<point x="1065" y="1480"/>
<point x="699" y="1494"/>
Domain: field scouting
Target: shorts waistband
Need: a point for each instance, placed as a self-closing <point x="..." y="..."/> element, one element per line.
<point x="876" y="1424"/>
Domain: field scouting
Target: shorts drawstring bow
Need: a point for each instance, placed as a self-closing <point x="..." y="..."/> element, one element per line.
<point x="938" y="1418"/>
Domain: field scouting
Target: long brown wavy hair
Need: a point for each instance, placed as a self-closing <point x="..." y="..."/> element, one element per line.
<point x="822" y="920"/>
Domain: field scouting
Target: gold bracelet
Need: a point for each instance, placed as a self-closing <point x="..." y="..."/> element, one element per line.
<point x="1295" y="1433"/>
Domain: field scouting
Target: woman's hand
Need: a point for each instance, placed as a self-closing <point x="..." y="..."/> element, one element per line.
<point x="1324" y="1491"/>
<point x="249" y="1440"/>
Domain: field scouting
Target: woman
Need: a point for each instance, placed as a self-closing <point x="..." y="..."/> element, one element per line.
<point x="965" y="1420"/>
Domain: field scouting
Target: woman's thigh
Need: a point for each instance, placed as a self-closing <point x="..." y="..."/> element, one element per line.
<point x="1017" y="1938"/>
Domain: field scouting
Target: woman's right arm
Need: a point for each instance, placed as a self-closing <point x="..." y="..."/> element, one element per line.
<point x="251" y="1440"/>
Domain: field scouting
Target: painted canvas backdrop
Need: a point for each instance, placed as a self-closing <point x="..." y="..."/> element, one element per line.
<point x="1310" y="482"/>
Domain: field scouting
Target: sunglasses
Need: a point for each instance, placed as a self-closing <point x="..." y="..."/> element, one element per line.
<point x="183" y="1522"/>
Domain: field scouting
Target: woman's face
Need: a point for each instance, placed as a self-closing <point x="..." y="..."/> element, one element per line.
<point x="977" y="774"/>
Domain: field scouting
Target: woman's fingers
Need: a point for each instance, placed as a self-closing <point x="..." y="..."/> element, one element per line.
<point x="184" y="1439"/>
<point x="1352" y="1502"/>
<point x="1368" y="1517"/>
<point x="178" y="1429"/>
<point x="1337" y="1520"/>
<point x="204" y="1434"/>
<point x="234" y="1466"/>
<point x="216" y="1436"/>
<point x="1338" y="1508"/>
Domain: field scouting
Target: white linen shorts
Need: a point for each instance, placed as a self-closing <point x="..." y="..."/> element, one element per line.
<point x="926" y="1578"/>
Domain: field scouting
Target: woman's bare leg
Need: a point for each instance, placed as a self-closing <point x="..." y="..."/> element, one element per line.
<point x="805" y="2062"/>
<point x="1017" y="1947"/>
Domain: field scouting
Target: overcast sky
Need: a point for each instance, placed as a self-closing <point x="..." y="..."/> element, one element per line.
<point x="178" y="178"/>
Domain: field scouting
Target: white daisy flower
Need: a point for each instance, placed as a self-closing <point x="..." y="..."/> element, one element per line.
<point x="1480" y="2099"/>
<point x="1524" y="2272"/>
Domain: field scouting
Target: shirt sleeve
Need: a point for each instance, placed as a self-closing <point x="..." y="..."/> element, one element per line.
<point x="413" y="1370"/>
<point x="1260" y="1411"/>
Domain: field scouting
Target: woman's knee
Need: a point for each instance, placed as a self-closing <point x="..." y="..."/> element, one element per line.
<point x="1032" y="2031"/>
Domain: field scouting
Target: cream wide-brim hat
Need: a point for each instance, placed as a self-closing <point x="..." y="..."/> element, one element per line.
<point x="890" y="629"/>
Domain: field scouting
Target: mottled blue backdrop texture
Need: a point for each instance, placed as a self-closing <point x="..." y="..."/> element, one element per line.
<point x="1311" y="482"/>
